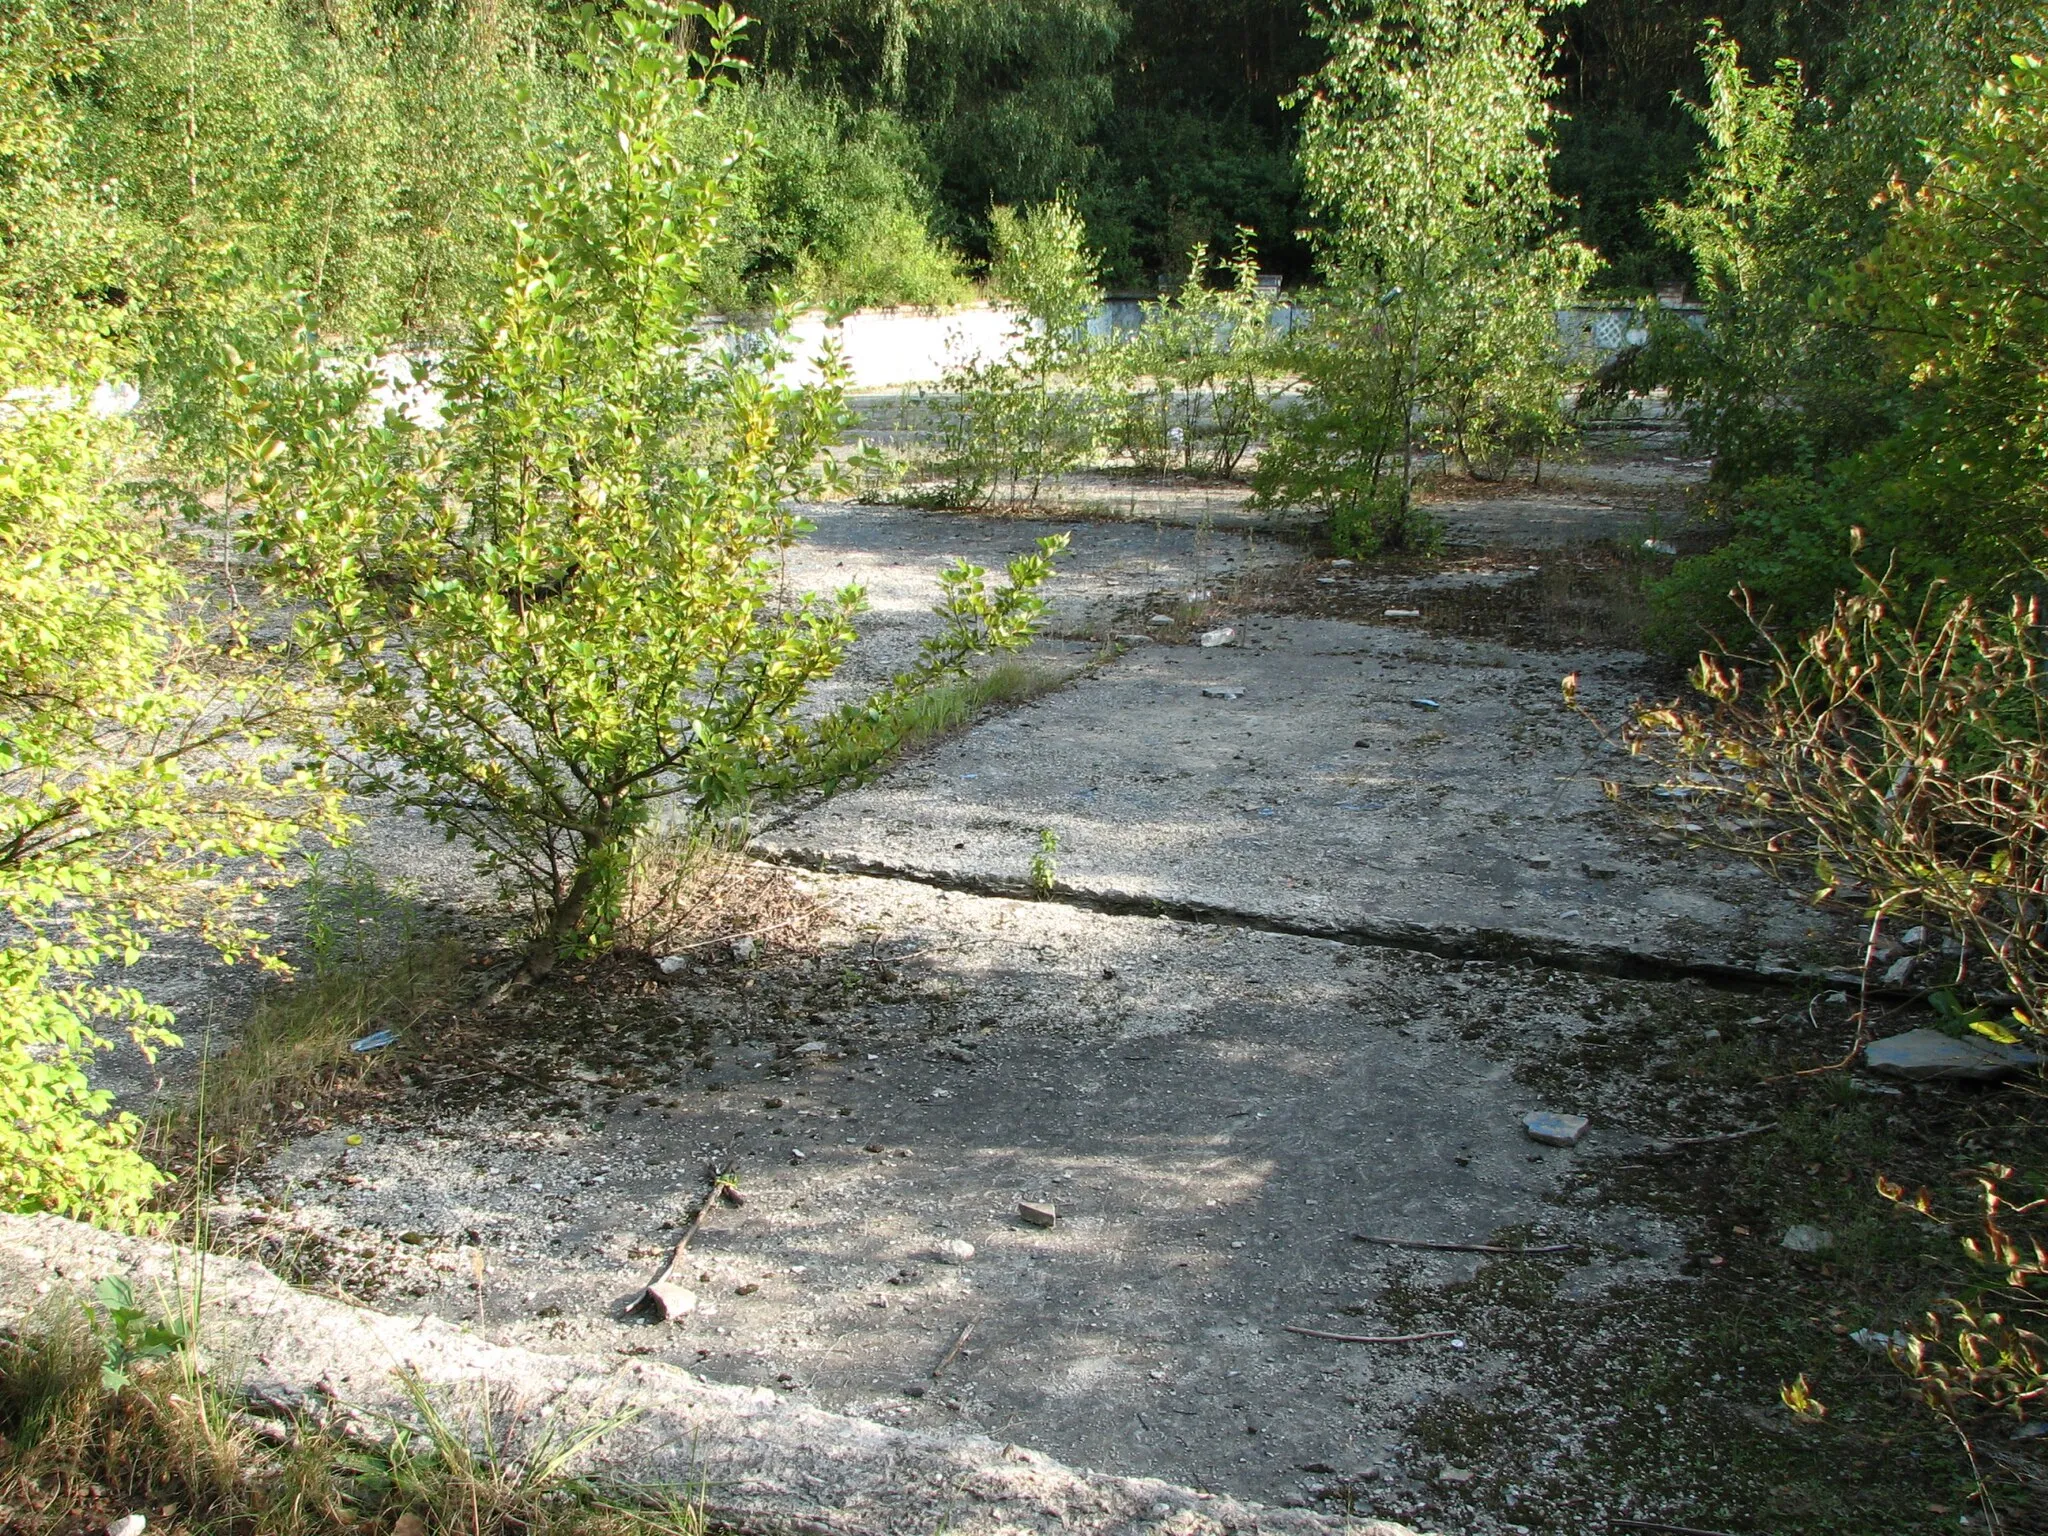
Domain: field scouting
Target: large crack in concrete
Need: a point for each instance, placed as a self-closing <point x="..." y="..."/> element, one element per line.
<point x="1489" y="944"/>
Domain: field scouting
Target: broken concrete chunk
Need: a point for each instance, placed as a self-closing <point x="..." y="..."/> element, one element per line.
<point x="1927" y="1055"/>
<point x="1037" y="1214"/>
<point x="1805" y="1239"/>
<point x="1211" y="638"/>
<point x="1554" y="1129"/>
<point x="671" y="965"/>
<point x="952" y="1251"/>
<point x="666" y="1300"/>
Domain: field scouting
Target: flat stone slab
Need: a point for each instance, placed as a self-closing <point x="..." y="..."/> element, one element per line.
<point x="1928" y="1055"/>
<point x="1554" y="1129"/>
<point x="896" y="554"/>
<point x="757" y="1460"/>
<point x="1331" y="778"/>
<point x="1211" y="1113"/>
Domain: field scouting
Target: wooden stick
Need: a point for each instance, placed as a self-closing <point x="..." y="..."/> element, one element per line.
<point x="727" y="938"/>
<point x="654" y="1295"/>
<point x="1406" y="1242"/>
<point x="953" y="1353"/>
<point x="1660" y="1148"/>
<point x="1369" y="1338"/>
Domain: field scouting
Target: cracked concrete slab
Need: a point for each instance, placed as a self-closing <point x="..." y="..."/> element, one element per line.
<point x="1214" y="1113"/>
<point x="897" y="556"/>
<point x="759" y="1462"/>
<point x="1331" y="778"/>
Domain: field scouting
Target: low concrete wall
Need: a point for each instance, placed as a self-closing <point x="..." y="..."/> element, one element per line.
<point x="764" y="1462"/>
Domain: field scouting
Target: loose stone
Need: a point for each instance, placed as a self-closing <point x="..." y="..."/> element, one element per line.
<point x="1037" y="1214"/>
<point x="1554" y="1129"/>
<point x="1805" y="1239"/>
<point x="1927" y="1055"/>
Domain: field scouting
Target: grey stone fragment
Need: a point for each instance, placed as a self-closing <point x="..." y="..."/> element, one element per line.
<point x="1222" y="693"/>
<point x="1553" y="1129"/>
<point x="1805" y="1239"/>
<point x="1037" y="1213"/>
<point x="1211" y="638"/>
<point x="952" y="1251"/>
<point x="1927" y="1055"/>
<point x="1901" y="971"/>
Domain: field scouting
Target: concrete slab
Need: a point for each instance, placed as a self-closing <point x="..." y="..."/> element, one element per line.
<point x="1327" y="778"/>
<point x="897" y="555"/>
<point x="751" y="1461"/>
<point x="1214" y="1112"/>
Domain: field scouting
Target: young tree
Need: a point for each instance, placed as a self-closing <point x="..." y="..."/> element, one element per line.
<point x="558" y="611"/>
<point x="1425" y="150"/>
<point x="1013" y="423"/>
<point x="140" y="787"/>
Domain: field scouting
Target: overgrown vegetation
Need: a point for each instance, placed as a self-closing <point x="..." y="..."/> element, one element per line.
<point x="1425" y="149"/>
<point x="556" y="612"/>
<point x="1886" y="389"/>
<point x="1007" y="426"/>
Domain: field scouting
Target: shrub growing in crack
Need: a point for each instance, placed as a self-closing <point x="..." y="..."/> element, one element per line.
<point x="557" y="611"/>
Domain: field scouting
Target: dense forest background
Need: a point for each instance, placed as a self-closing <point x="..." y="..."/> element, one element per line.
<point x="1164" y="119"/>
<point x="351" y="144"/>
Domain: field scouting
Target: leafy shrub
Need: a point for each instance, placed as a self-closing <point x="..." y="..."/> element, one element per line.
<point x="1198" y="377"/>
<point x="1425" y="146"/>
<point x="558" y="611"/>
<point x="135" y="775"/>
<point x="1894" y="395"/>
<point x="1340" y="450"/>
<point x="1007" y="426"/>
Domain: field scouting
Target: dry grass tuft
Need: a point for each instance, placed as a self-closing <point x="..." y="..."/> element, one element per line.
<point x="77" y="1454"/>
<point x="696" y="888"/>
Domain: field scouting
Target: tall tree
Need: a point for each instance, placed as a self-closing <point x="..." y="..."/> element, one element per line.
<point x="1426" y="151"/>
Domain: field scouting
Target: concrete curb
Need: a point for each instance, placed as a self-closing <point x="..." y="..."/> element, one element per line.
<point x="764" y="1462"/>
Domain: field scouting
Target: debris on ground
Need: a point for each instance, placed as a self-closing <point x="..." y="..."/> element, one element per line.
<point x="1037" y="1213"/>
<point x="1554" y="1129"/>
<point x="1928" y="1055"/>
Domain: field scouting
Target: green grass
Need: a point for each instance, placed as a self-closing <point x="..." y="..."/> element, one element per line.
<point x="173" y="1446"/>
<point x="366" y="965"/>
<point x="938" y="711"/>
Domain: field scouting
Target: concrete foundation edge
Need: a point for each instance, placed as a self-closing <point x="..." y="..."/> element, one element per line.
<point x="763" y="1462"/>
